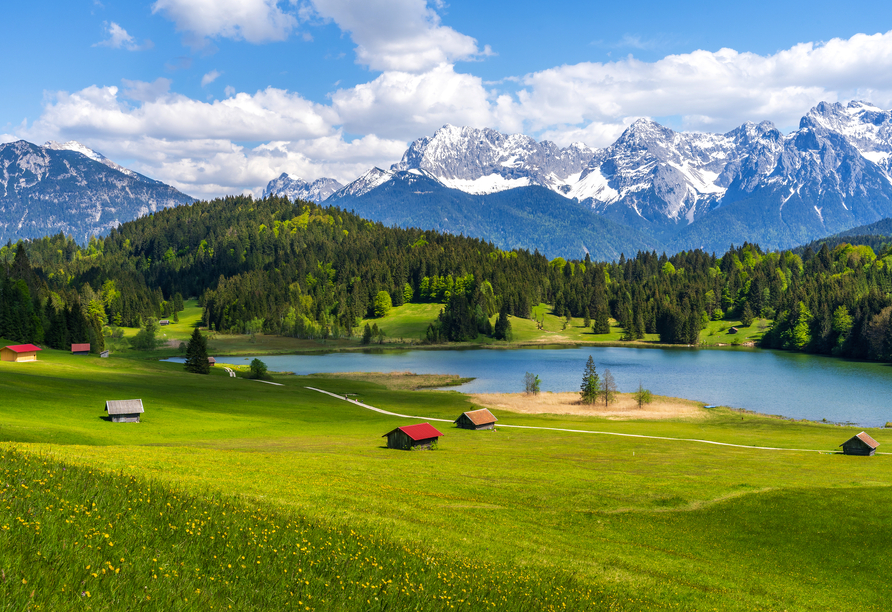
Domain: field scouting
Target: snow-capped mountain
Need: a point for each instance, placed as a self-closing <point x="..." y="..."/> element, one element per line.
<point x="485" y="161"/>
<point x="831" y="174"/>
<point x="296" y="188"/>
<point x="72" y="189"/>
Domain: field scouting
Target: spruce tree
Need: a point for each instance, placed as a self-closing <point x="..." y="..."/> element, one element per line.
<point x="503" y="326"/>
<point x="591" y="384"/>
<point x="197" y="354"/>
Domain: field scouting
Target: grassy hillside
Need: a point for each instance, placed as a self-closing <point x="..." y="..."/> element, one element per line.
<point x="618" y="522"/>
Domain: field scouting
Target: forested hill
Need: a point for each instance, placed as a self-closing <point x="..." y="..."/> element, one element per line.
<point x="300" y="269"/>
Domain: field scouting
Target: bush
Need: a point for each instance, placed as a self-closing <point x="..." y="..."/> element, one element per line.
<point x="258" y="370"/>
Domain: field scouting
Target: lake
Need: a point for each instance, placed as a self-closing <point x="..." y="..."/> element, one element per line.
<point x="772" y="382"/>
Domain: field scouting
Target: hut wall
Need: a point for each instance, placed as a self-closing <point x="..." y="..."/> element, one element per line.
<point x="857" y="447"/>
<point x="399" y="440"/>
<point x="18" y="357"/>
<point x="125" y="418"/>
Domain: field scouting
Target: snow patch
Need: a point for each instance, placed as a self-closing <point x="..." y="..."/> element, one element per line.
<point x="491" y="183"/>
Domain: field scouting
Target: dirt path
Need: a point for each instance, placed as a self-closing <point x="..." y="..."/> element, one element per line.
<point x="582" y="431"/>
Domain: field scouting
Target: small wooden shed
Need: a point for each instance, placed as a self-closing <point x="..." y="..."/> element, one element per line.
<point x="212" y="362"/>
<point x="19" y="352"/>
<point x="164" y="322"/>
<point x="861" y="444"/>
<point x="733" y="330"/>
<point x="80" y="349"/>
<point x="422" y="435"/>
<point x="104" y="354"/>
<point x="476" y="419"/>
<point x="124" y="411"/>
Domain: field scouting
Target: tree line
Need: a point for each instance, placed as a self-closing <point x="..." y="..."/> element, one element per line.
<point x="305" y="270"/>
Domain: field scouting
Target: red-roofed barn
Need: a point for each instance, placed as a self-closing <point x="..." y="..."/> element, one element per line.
<point x="80" y="349"/>
<point x="862" y="444"/>
<point x="422" y="435"/>
<point x="19" y="352"/>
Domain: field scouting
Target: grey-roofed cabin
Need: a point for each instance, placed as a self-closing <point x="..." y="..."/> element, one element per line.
<point x="861" y="444"/>
<point x="124" y="411"/>
<point x="476" y="419"/>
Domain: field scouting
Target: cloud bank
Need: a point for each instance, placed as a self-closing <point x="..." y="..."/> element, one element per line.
<point x="209" y="148"/>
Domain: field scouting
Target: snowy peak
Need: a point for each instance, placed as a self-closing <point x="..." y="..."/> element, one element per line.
<point x="365" y="183"/>
<point x="295" y="188"/>
<point x="866" y="127"/>
<point x="481" y="160"/>
<point x="73" y="145"/>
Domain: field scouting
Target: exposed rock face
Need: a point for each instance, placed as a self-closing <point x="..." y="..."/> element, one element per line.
<point x="72" y="189"/>
<point x="295" y="188"/>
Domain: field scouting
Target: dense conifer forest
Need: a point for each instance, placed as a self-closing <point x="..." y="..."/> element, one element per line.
<point x="304" y="270"/>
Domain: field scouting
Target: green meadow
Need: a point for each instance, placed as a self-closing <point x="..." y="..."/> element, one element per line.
<point x="231" y="492"/>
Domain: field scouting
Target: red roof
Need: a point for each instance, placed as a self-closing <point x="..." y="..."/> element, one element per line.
<point x="24" y="348"/>
<point x="77" y="348"/>
<point x="864" y="437"/>
<point x="422" y="431"/>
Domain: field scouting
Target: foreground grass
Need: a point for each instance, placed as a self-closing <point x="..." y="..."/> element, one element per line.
<point x="72" y="538"/>
<point x="657" y="524"/>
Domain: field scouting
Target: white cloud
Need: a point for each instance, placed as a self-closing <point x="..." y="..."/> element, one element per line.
<point x="407" y="106"/>
<point x="266" y="115"/>
<point x="4" y="138"/>
<point x="404" y="35"/>
<point x="118" y="38"/>
<point x="210" y="77"/>
<point x="256" y="21"/>
<point x="713" y="91"/>
<point x="199" y="146"/>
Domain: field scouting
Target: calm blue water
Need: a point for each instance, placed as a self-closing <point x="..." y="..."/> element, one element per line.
<point x="771" y="382"/>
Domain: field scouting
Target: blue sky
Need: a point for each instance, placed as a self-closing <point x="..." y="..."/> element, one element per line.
<point x="220" y="96"/>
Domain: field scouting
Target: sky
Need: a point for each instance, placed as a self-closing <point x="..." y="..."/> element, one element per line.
<point x="218" y="97"/>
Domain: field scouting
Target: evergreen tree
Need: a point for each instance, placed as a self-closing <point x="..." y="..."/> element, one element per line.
<point x="366" y="334"/>
<point x="591" y="384"/>
<point x="197" y="354"/>
<point x="502" y="329"/>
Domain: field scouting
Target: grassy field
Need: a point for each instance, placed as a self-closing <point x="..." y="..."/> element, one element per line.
<point x="408" y="323"/>
<point x="495" y="517"/>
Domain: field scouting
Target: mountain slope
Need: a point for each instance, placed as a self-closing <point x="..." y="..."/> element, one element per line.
<point x="295" y="188"/>
<point x="529" y="217"/>
<point x="72" y="189"/>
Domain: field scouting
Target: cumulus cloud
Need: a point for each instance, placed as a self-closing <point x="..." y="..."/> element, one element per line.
<point x="4" y="138"/>
<point x="403" y="35"/>
<point x="407" y="106"/>
<point x="200" y="146"/>
<point x="712" y="91"/>
<point x="118" y="38"/>
<point x="210" y="77"/>
<point x="256" y="21"/>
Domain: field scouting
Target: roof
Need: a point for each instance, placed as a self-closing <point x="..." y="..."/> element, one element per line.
<point x="23" y="348"/>
<point x="77" y="348"/>
<point x="864" y="437"/>
<point x="124" y="406"/>
<point x="422" y="431"/>
<point x="211" y="360"/>
<point x="480" y="417"/>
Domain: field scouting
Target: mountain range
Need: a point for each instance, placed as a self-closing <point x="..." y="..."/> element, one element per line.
<point x="673" y="190"/>
<point x="654" y="188"/>
<point x="69" y="188"/>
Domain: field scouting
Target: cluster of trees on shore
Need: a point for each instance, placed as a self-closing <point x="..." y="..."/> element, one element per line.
<point x="305" y="270"/>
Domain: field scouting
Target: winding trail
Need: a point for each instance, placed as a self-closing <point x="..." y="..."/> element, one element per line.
<point x="582" y="431"/>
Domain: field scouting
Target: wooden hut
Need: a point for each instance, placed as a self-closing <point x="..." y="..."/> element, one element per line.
<point x="80" y="349"/>
<point x="164" y="322"/>
<point x="733" y="330"/>
<point x="124" y="411"/>
<point x="212" y="362"/>
<point x="422" y="435"/>
<point x="476" y="419"/>
<point x="104" y="354"/>
<point x="862" y="444"/>
<point x="19" y="352"/>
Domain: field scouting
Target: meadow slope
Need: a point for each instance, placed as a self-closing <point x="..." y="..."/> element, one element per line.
<point x="619" y="523"/>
